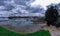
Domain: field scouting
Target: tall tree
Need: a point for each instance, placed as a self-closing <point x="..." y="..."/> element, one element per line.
<point x="51" y="15"/>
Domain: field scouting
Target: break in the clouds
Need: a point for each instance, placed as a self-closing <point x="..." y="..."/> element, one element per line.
<point x="44" y="3"/>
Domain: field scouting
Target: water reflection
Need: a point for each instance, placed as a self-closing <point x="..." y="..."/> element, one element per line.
<point x="21" y="23"/>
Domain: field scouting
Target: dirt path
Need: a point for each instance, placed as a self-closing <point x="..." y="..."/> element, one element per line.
<point x="53" y="31"/>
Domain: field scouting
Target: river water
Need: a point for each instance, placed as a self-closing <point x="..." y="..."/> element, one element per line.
<point x="20" y="23"/>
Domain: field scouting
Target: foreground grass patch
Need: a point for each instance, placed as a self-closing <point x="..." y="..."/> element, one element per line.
<point x="5" y="32"/>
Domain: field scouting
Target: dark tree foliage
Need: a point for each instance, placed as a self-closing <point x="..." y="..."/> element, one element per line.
<point x="51" y="16"/>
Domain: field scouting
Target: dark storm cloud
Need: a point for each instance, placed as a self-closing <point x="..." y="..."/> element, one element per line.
<point x="8" y="7"/>
<point x="2" y="3"/>
<point x="5" y="0"/>
<point x="23" y="2"/>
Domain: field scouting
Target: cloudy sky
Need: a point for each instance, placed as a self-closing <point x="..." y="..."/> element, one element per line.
<point x="44" y="3"/>
<point x="25" y="7"/>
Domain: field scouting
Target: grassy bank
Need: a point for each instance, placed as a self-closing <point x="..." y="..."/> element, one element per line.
<point x="5" y="32"/>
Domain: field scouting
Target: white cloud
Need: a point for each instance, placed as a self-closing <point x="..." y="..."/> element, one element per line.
<point x="2" y="7"/>
<point x="4" y="13"/>
<point x="44" y="3"/>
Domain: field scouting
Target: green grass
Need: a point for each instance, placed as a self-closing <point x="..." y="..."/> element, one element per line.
<point x="5" y="32"/>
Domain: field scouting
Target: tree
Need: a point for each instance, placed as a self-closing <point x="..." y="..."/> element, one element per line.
<point x="51" y="15"/>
